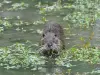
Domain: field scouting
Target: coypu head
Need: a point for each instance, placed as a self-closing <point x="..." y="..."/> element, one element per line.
<point x="50" y="44"/>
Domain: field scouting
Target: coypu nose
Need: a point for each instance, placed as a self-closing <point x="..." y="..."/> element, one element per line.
<point x="49" y="45"/>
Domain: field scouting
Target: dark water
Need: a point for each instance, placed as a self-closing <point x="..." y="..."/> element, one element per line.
<point x="11" y="36"/>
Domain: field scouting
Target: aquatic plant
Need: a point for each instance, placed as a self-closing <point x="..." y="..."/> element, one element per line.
<point x="18" y="6"/>
<point x="19" y="56"/>
<point x="90" y="55"/>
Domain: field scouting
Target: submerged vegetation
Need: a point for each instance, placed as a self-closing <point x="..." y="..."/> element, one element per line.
<point x="23" y="56"/>
<point x="90" y="55"/>
<point x="76" y="13"/>
<point x="19" y="56"/>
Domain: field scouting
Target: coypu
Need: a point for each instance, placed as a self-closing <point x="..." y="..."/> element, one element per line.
<point x="52" y="40"/>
